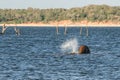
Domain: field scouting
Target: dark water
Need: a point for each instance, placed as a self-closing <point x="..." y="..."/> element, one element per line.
<point x="36" y="55"/>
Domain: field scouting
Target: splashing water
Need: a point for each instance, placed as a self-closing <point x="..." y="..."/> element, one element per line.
<point x="70" y="46"/>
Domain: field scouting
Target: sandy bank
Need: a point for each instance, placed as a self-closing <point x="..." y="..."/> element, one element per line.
<point x="70" y="24"/>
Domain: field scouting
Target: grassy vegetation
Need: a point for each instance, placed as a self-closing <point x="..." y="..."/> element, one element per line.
<point x="90" y="13"/>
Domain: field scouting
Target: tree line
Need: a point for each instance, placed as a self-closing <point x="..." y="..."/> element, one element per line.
<point x="34" y="15"/>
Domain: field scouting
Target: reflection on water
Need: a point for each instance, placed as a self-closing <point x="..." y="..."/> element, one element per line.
<point x="36" y="55"/>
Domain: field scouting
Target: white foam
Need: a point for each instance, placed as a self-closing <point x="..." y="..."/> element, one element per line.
<point x="70" y="46"/>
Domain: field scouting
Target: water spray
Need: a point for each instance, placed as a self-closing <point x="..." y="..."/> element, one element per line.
<point x="71" y="46"/>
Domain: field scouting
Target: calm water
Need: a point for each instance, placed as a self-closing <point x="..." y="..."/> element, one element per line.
<point x="36" y="55"/>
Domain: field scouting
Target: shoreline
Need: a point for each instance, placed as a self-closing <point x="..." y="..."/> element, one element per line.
<point x="29" y="25"/>
<point x="46" y="25"/>
<point x="67" y="23"/>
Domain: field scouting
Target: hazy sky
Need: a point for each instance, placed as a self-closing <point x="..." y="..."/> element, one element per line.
<point x="54" y="3"/>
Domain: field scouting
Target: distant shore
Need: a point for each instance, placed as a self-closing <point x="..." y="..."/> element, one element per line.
<point x="68" y="24"/>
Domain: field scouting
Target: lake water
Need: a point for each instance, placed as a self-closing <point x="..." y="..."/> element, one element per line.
<point x="37" y="55"/>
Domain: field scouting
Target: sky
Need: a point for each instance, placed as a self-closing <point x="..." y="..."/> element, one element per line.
<point x="43" y="4"/>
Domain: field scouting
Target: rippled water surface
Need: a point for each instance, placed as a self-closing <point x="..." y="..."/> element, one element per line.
<point x="36" y="54"/>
